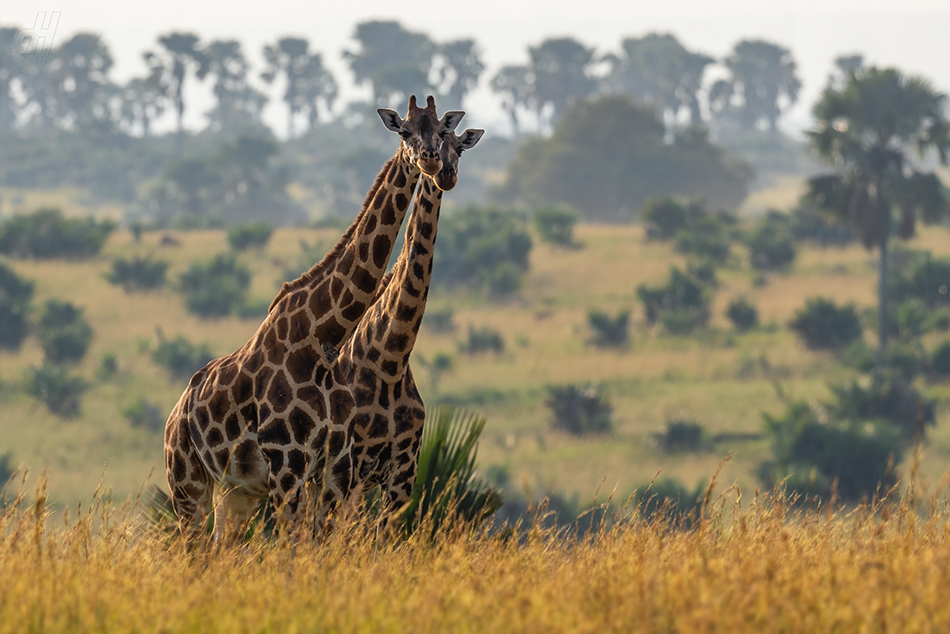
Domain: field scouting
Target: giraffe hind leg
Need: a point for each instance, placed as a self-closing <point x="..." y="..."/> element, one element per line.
<point x="190" y="484"/>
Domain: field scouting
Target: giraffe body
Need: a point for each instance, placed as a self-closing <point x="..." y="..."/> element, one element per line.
<point x="388" y="409"/>
<point x="272" y="419"/>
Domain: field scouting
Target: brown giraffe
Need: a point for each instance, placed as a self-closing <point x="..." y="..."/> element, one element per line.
<point x="271" y="419"/>
<point x="387" y="426"/>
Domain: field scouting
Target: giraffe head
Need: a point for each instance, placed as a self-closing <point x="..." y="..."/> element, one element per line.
<point x="452" y="148"/>
<point x="422" y="132"/>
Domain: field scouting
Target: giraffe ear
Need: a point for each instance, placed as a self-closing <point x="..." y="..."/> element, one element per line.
<point x="470" y="137"/>
<point x="451" y="119"/>
<point x="391" y="119"/>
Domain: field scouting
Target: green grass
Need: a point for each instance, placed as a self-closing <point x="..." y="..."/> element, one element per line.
<point x="714" y="377"/>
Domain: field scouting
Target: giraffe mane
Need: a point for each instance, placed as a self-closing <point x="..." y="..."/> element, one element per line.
<point x="319" y="267"/>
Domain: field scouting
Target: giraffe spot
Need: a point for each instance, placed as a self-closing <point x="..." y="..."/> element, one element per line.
<point x="270" y="340"/>
<point x="196" y="467"/>
<point x="197" y="377"/>
<point x="242" y="389"/>
<point x="299" y="327"/>
<point x="405" y="312"/>
<point x="282" y="328"/>
<point x="411" y="290"/>
<point x="246" y="457"/>
<point x="336" y="442"/>
<point x="226" y="373"/>
<point x="400" y="178"/>
<point x="396" y="342"/>
<point x="354" y="311"/>
<point x="317" y="444"/>
<point x="371" y="223"/>
<point x="206" y="457"/>
<point x="364" y="251"/>
<point x="426" y="230"/>
<point x="275" y="460"/>
<point x="380" y="198"/>
<point x="343" y="473"/>
<point x="382" y="326"/>
<point x="214" y="438"/>
<point x="296" y="461"/>
<point x="403" y="459"/>
<point x="397" y="390"/>
<point x="275" y="432"/>
<point x="277" y="353"/>
<point x="219" y="404"/>
<point x="373" y="355"/>
<point x="202" y="418"/>
<point x="345" y="262"/>
<point x="405" y="418"/>
<point x="380" y="427"/>
<point x="262" y="379"/>
<point x="346" y="298"/>
<point x="297" y="300"/>
<point x="301" y="363"/>
<point x="222" y="456"/>
<point x="280" y="393"/>
<point x="388" y="215"/>
<point x="249" y="414"/>
<point x="254" y="362"/>
<point x="404" y="444"/>
<point x="382" y="247"/>
<point x="330" y="331"/>
<point x="179" y="467"/>
<point x="341" y="406"/>
<point x="320" y="299"/>
<point x="364" y="280"/>
<point x="389" y="367"/>
<point x="384" y="395"/>
<point x="418" y="270"/>
<point x="337" y="285"/>
<point x="300" y="425"/>
<point x="312" y="396"/>
<point x="287" y="483"/>
<point x="401" y="201"/>
<point x="232" y="427"/>
<point x="360" y="423"/>
<point x="363" y="397"/>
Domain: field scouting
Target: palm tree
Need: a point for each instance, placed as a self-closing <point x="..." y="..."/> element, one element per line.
<point x="865" y="129"/>
<point x="184" y="53"/>
<point x="460" y="67"/>
<point x="561" y="71"/>
<point x="308" y="81"/>
<point x="239" y="104"/>
<point x="394" y="60"/>
<point x="765" y="76"/>
<point x="514" y="85"/>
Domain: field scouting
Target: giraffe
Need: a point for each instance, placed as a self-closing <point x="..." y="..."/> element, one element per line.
<point x="271" y="419"/>
<point x="389" y="414"/>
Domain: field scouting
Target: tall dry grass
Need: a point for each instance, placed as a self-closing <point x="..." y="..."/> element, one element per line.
<point x="746" y="565"/>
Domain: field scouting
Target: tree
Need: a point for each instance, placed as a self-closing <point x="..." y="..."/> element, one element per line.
<point x="513" y="84"/>
<point x="16" y="294"/>
<point x="393" y="60"/>
<point x="183" y="54"/>
<point x="11" y="71"/>
<point x="308" y="82"/>
<point x="459" y="65"/>
<point x="80" y="71"/>
<point x="657" y="70"/>
<point x="864" y="130"/>
<point x="764" y="79"/>
<point x="143" y="99"/>
<point x="239" y="104"/>
<point x="560" y="68"/>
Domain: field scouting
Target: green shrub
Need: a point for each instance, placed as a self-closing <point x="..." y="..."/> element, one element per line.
<point x="56" y="388"/>
<point x="770" y="244"/>
<point x="742" y="314"/>
<point x="47" y="234"/>
<point x="910" y="319"/>
<point x="822" y="325"/>
<point x="250" y="235"/>
<point x="138" y="273"/>
<point x="709" y="237"/>
<point x="665" y="217"/>
<point x="919" y="275"/>
<point x="108" y="366"/>
<point x="180" y="357"/>
<point x="885" y="396"/>
<point x="808" y="225"/>
<point x="440" y="321"/>
<point x="216" y="288"/>
<point x="483" y="339"/>
<point x="682" y="435"/>
<point x="6" y="468"/>
<point x="64" y="333"/>
<point x="555" y="225"/>
<point x="15" y="296"/>
<point x="144" y="413"/>
<point x="579" y="409"/>
<point x="940" y="361"/>
<point x="609" y="332"/>
<point x="680" y="306"/>
<point x="813" y="455"/>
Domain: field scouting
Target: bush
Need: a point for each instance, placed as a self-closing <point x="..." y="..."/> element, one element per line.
<point x="885" y="396"/>
<point x="555" y="225"/>
<point x="709" y="237"/>
<point x="63" y="332"/>
<point x="940" y="361"/>
<point x="665" y="217"/>
<point x="822" y="325"/>
<point x="144" y="413"/>
<point x="251" y="235"/>
<point x="138" y="273"/>
<point x="813" y="455"/>
<point x="482" y="248"/>
<point x="609" y="332"/>
<point x="15" y="296"/>
<point x="56" y="388"/>
<point x="680" y="306"/>
<point x="440" y="320"/>
<point x="180" y="357"/>
<point x="47" y="234"/>
<point x="108" y="366"/>
<point x="6" y="468"/>
<point x="682" y="434"/>
<point x="579" y="410"/>
<point x="808" y="225"/>
<point x="483" y="339"/>
<point x="742" y="314"/>
<point x="216" y="288"/>
<point x="770" y="244"/>
<point x="919" y="275"/>
<point x="910" y="319"/>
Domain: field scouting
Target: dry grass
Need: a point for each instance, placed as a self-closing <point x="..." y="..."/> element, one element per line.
<point x="750" y="565"/>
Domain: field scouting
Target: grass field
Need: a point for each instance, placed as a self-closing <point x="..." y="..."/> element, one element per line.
<point x="752" y="564"/>
<point x="716" y="378"/>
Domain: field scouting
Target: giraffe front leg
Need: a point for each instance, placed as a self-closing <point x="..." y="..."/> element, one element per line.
<point x="233" y="511"/>
<point x="192" y="489"/>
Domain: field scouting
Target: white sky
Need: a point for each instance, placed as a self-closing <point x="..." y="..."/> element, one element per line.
<point x="913" y="35"/>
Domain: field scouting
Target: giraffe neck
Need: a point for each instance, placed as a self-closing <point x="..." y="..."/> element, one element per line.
<point x="388" y="333"/>
<point x="342" y="285"/>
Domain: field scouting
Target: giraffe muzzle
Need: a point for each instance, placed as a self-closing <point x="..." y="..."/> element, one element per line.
<point x="430" y="163"/>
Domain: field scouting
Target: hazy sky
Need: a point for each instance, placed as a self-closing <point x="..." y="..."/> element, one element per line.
<point x="911" y="34"/>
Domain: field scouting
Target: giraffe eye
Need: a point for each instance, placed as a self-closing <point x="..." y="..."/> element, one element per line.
<point x="405" y="134"/>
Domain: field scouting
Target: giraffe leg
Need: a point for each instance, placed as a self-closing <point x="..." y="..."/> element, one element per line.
<point x="190" y="484"/>
<point x="233" y="511"/>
